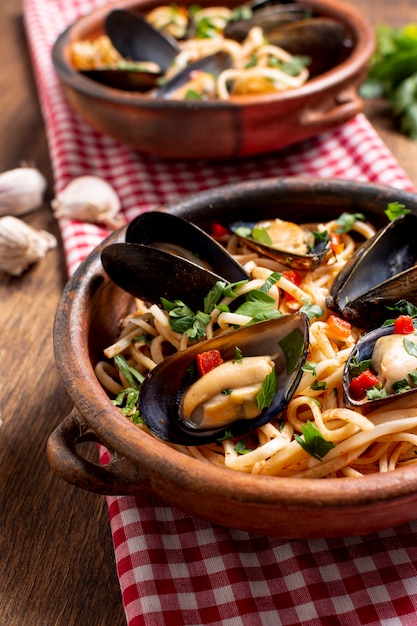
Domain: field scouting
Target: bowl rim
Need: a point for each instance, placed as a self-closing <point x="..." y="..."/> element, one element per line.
<point x="352" y="66"/>
<point x="159" y="460"/>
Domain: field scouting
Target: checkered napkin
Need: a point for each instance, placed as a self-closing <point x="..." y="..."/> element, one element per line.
<point x="175" y="569"/>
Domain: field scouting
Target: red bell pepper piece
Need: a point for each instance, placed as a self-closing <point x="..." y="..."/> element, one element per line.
<point x="218" y="231"/>
<point x="206" y="361"/>
<point x="339" y="327"/>
<point x="336" y="243"/>
<point x="360" y="384"/>
<point x="403" y="325"/>
<point x="295" y="278"/>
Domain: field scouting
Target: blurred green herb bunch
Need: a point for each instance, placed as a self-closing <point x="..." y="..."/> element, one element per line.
<point x="393" y="74"/>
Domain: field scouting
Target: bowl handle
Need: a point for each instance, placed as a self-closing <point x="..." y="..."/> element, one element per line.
<point x="348" y="104"/>
<point x="118" y="477"/>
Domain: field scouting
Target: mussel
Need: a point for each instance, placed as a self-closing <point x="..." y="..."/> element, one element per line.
<point x="136" y="39"/>
<point x="166" y="256"/>
<point x="382" y="367"/>
<point x="149" y="273"/>
<point x="297" y="246"/>
<point x="381" y="272"/>
<point x="189" y="79"/>
<point x="146" y="53"/>
<point x="266" y="15"/>
<point x="180" y="409"/>
<point x="183" y="238"/>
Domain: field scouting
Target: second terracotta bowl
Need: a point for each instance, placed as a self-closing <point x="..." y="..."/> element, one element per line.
<point x="219" y="129"/>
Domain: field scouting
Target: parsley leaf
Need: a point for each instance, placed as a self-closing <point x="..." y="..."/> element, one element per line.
<point x="319" y="385"/>
<point x="261" y="234"/>
<point x="357" y="367"/>
<point x="267" y="392"/>
<point x="395" y="209"/>
<point x="347" y="220"/>
<point x="312" y="310"/>
<point x="410" y="347"/>
<point x="241" y="448"/>
<point x="313" y="442"/>
<point x="293" y="348"/>
<point x="310" y="368"/>
<point x="238" y="355"/>
<point x="133" y="377"/>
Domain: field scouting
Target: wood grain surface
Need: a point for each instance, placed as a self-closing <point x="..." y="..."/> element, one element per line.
<point x="57" y="563"/>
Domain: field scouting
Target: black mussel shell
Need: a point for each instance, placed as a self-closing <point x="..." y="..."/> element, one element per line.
<point x="382" y="271"/>
<point x="213" y="64"/>
<point x="362" y="352"/>
<point x="310" y="260"/>
<point x="163" y="387"/>
<point x="178" y="236"/>
<point x="137" y="40"/>
<point x="124" y="79"/>
<point x="151" y="274"/>
<point x="267" y="15"/>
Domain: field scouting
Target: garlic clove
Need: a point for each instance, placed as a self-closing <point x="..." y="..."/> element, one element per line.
<point x="21" y="190"/>
<point x="21" y="245"/>
<point x="89" y="199"/>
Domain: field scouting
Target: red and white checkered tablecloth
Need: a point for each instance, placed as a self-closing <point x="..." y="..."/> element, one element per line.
<point x="175" y="569"/>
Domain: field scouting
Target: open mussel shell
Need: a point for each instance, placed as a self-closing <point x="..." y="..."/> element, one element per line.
<point x="290" y="258"/>
<point x="382" y="271"/>
<point x="363" y="351"/>
<point x="151" y="274"/>
<point x="125" y="79"/>
<point x="323" y="40"/>
<point x="267" y="16"/>
<point x="213" y="64"/>
<point x="137" y="40"/>
<point x="162" y="389"/>
<point x="183" y="238"/>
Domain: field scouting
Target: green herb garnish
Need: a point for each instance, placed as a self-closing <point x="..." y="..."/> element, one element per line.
<point x="393" y="74"/>
<point x="395" y="209"/>
<point x="346" y="221"/>
<point x="267" y="392"/>
<point x="293" y="348"/>
<point x="313" y="441"/>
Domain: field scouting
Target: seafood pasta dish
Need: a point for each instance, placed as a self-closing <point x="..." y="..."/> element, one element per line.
<point x="212" y="53"/>
<point x="289" y="370"/>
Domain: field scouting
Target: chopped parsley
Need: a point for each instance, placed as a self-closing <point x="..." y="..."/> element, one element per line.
<point x="267" y="392"/>
<point x="395" y="209"/>
<point x="313" y="442"/>
<point x="293" y="348"/>
<point x="346" y="221"/>
<point x="319" y="385"/>
<point x="241" y="446"/>
<point x="127" y="399"/>
<point x="310" y="368"/>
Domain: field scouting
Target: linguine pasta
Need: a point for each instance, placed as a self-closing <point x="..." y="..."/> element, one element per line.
<point x="361" y="442"/>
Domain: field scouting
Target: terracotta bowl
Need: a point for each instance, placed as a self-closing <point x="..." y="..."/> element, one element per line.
<point x="86" y="322"/>
<point x="191" y="129"/>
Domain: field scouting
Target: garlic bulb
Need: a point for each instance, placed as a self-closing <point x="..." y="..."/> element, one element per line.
<point x="21" y="245"/>
<point x="21" y="190"/>
<point x="89" y="199"/>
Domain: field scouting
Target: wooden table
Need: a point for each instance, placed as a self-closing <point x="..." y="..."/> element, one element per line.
<point x="56" y="558"/>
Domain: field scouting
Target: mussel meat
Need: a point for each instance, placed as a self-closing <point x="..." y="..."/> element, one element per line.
<point x="381" y="272"/>
<point x="260" y="371"/>
<point x="381" y="368"/>
<point x="183" y="238"/>
<point x="297" y="246"/>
